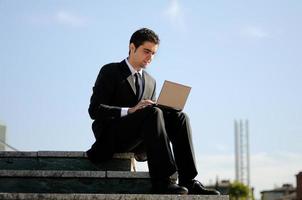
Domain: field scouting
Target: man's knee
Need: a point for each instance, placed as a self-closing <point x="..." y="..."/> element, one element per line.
<point x="154" y="111"/>
<point x="182" y="116"/>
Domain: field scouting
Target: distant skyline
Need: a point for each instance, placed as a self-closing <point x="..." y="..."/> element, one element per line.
<point x="242" y="60"/>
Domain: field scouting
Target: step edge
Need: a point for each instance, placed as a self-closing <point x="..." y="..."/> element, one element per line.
<point x="57" y="154"/>
<point x="73" y="174"/>
<point x="52" y="174"/>
<point x="127" y="174"/>
<point x="59" y="196"/>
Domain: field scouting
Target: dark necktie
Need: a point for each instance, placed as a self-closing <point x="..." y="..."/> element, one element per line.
<point x="138" y="86"/>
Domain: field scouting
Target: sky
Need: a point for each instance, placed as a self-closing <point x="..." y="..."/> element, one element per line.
<point x="241" y="58"/>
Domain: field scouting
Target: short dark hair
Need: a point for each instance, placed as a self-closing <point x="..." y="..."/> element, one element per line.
<point x="142" y="35"/>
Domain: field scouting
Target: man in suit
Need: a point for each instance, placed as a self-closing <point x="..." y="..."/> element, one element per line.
<point x="126" y="120"/>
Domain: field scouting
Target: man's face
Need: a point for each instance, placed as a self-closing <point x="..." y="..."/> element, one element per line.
<point x="142" y="55"/>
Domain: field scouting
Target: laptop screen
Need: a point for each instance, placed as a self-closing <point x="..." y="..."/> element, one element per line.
<point x="173" y="95"/>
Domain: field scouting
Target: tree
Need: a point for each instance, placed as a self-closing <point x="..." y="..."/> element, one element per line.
<point x="239" y="191"/>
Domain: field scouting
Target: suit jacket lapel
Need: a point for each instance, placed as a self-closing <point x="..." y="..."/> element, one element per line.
<point x="127" y="74"/>
<point x="148" y="86"/>
<point x="131" y="82"/>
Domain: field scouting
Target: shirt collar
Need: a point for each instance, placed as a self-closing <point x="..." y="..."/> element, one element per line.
<point x="133" y="71"/>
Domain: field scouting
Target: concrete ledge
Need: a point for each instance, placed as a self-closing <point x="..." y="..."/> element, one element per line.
<point x="126" y="174"/>
<point x="69" y="185"/>
<point x="54" y="154"/>
<point x="29" y="154"/>
<point x="67" y="154"/>
<point x="65" y="163"/>
<point x="52" y="174"/>
<point x="74" y="174"/>
<point x="32" y="196"/>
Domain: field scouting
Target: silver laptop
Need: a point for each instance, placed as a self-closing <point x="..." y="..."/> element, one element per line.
<point x="173" y="95"/>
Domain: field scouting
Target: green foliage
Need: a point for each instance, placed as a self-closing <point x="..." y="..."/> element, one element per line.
<point x="238" y="191"/>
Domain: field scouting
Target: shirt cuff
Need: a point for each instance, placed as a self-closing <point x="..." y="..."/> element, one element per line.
<point x="124" y="112"/>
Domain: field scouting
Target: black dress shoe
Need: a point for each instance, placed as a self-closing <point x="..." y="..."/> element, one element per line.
<point x="167" y="187"/>
<point x="195" y="187"/>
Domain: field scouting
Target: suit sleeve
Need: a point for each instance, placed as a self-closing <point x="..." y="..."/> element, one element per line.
<point x="102" y="95"/>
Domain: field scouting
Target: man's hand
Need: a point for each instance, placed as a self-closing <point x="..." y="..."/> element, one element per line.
<point x="140" y="105"/>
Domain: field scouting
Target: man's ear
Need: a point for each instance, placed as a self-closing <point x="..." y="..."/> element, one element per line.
<point x="132" y="47"/>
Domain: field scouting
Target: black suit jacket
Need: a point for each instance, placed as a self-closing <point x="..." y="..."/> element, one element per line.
<point x="113" y="89"/>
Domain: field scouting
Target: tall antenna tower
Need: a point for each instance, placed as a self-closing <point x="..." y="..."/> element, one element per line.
<point x="242" y="152"/>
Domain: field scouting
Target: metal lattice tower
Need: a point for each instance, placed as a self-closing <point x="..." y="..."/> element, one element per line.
<point x="242" y="154"/>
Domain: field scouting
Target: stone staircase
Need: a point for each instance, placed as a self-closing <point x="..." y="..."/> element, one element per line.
<point x="56" y="175"/>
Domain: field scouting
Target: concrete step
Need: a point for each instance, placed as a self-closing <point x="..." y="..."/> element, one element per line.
<point x="62" y="175"/>
<point x="62" y="160"/>
<point x="34" y="196"/>
<point x="71" y="174"/>
<point x="46" y="181"/>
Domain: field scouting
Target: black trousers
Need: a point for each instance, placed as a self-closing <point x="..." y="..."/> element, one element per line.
<point x="152" y="129"/>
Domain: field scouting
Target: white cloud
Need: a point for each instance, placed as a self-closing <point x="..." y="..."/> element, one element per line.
<point x="65" y="17"/>
<point x="62" y="17"/>
<point x="212" y="166"/>
<point x="174" y="10"/>
<point x="255" y="32"/>
<point x="175" y="14"/>
<point x="274" y="170"/>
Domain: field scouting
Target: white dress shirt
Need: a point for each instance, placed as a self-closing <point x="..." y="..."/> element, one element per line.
<point x="124" y="110"/>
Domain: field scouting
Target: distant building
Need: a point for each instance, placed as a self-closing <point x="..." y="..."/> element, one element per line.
<point x="292" y="196"/>
<point x="222" y="186"/>
<point x="299" y="186"/>
<point x="2" y="137"/>
<point x="286" y="192"/>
